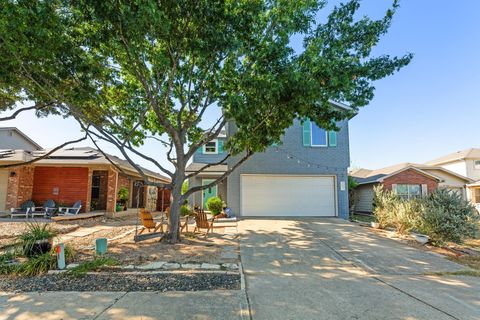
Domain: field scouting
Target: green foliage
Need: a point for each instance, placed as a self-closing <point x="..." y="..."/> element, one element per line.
<point x="38" y="264"/>
<point x="215" y="205"/>
<point x="34" y="232"/>
<point x="393" y="211"/>
<point x="448" y="217"/>
<point x="94" y="265"/>
<point x="443" y="215"/>
<point x="122" y="195"/>
<point x="185" y="187"/>
<point x="352" y="183"/>
<point x="186" y="210"/>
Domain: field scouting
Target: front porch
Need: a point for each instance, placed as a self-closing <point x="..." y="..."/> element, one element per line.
<point x="204" y="178"/>
<point x="96" y="187"/>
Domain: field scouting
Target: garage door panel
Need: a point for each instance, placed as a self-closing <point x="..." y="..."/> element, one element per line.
<point x="269" y="195"/>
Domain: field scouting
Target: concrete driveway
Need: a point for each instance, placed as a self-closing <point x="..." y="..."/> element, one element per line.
<point x="332" y="269"/>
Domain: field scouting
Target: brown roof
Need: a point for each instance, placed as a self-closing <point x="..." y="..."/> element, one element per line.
<point x="472" y="153"/>
<point x="364" y="176"/>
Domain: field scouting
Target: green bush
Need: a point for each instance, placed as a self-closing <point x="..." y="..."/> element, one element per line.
<point x="215" y="205"/>
<point x="122" y="195"/>
<point x="35" y="231"/>
<point x="186" y="211"/>
<point x="447" y="217"/>
<point x="393" y="211"/>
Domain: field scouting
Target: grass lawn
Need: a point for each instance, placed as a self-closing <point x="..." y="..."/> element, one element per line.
<point x="363" y="217"/>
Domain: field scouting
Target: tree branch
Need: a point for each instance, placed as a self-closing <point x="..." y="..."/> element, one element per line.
<point x="46" y="155"/>
<point x="193" y="174"/>
<point x="16" y="113"/>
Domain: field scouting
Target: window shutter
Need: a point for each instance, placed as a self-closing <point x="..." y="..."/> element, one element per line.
<point x="220" y="146"/>
<point x="307" y="133"/>
<point x="200" y="150"/>
<point x="332" y="138"/>
<point x="394" y="188"/>
<point x="424" y="190"/>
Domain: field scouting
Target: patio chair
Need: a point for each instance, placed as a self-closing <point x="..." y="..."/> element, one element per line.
<point x="148" y="222"/>
<point x="202" y="222"/>
<point x="75" y="209"/>
<point x="47" y="209"/>
<point x="24" y="210"/>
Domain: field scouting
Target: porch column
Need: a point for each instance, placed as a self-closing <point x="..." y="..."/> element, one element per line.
<point x="20" y="186"/>
<point x="88" y="202"/>
<point x="112" y="190"/>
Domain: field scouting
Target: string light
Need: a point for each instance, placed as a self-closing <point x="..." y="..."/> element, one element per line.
<point x="308" y="163"/>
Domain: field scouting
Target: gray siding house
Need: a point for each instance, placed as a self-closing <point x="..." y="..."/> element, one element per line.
<point x="305" y="175"/>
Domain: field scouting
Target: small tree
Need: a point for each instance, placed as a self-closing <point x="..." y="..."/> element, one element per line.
<point x="128" y="71"/>
<point x="215" y="205"/>
<point x="122" y="195"/>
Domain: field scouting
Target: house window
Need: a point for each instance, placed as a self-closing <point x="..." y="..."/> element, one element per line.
<point x="319" y="136"/>
<point x="477" y="164"/>
<point x="476" y="197"/>
<point x="408" y="191"/>
<point x="211" y="147"/>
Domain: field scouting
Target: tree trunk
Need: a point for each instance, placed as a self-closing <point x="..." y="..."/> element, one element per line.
<point x="175" y="204"/>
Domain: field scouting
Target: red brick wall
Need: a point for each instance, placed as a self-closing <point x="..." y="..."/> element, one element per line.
<point x="112" y="191"/>
<point x="410" y="176"/>
<point x="125" y="181"/>
<point x="71" y="183"/>
<point x="20" y="185"/>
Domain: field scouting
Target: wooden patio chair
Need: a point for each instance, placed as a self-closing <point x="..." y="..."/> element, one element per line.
<point x="75" y="209"/>
<point x="148" y="222"/>
<point x="25" y="209"/>
<point x="202" y="222"/>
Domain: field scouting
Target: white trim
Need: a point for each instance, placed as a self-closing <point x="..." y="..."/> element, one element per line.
<point x="311" y="136"/>
<point x="216" y="147"/>
<point x="215" y="186"/>
<point x="335" y="186"/>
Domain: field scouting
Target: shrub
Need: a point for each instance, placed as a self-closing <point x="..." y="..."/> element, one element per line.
<point x="38" y="264"/>
<point x="122" y="195"/>
<point x="447" y="217"/>
<point x="94" y="265"/>
<point x="215" y="205"/>
<point x="34" y="232"/>
<point x="185" y="210"/>
<point x="393" y="211"/>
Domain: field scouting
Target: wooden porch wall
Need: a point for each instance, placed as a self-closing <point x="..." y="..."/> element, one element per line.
<point x="64" y="185"/>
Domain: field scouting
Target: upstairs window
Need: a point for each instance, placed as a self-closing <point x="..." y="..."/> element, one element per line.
<point x="477" y="164"/>
<point x="211" y="147"/>
<point x="319" y="136"/>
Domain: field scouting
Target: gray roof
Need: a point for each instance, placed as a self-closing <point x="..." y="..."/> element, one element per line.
<point x="77" y="156"/>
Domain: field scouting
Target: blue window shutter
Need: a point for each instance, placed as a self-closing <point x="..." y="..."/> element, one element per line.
<point x="200" y="150"/>
<point x="332" y="138"/>
<point x="220" y="146"/>
<point x="307" y="134"/>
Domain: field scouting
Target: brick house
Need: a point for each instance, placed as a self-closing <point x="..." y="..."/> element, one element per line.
<point x="407" y="180"/>
<point x="74" y="174"/>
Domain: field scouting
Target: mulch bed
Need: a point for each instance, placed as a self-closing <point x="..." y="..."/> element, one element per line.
<point x="125" y="282"/>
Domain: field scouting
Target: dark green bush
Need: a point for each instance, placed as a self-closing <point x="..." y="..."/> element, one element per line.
<point x="447" y="217"/>
<point x="215" y="205"/>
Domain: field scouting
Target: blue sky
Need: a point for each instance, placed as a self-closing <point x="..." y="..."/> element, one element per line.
<point x="428" y="109"/>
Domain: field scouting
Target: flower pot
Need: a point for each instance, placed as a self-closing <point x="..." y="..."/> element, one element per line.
<point x="118" y="207"/>
<point x="38" y="247"/>
<point x="421" y="238"/>
<point x="375" y="225"/>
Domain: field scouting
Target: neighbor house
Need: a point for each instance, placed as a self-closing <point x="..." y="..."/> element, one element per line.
<point x="466" y="163"/>
<point x="304" y="175"/>
<point x="13" y="138"/>
<point x="84" y="174"/>
<point x="408" y="180"/>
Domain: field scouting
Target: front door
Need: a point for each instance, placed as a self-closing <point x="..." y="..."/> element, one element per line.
<point x="208" y="193"/>
<point x="3" y="189"/>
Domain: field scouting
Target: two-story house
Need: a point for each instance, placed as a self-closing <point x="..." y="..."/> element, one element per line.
<point x="305" y="175"/>
<point x="466" y="163"/>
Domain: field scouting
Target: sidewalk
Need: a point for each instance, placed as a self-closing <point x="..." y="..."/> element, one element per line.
<point x="203" y="305"/>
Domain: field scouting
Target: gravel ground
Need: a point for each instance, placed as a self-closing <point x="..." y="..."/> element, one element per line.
<point x="125" y="282"/>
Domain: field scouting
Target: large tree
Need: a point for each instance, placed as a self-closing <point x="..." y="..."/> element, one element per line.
<point x="128" y="71"/>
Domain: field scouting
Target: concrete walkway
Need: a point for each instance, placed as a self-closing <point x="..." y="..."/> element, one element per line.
<point x="305" y="269"/>
<point x="331" y="269"/>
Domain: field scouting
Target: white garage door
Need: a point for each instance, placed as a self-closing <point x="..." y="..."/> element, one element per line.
<point x="3" y="188"/>
<point x="287" y="195"/>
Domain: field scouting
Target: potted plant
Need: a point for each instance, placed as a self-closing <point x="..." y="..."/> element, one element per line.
<point x="37" y="239"/>
<point x="215" y="206"/>
<point x="421" y="238"/>
<point x="122" y="198"/>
